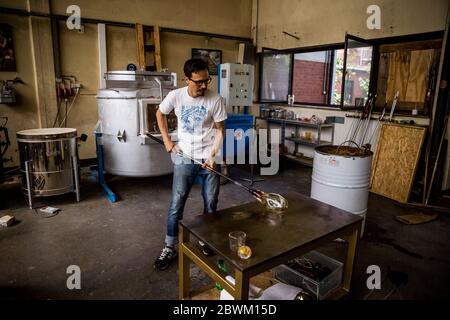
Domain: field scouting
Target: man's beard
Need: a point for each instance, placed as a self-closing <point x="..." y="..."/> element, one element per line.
<point x="200" y="93"/>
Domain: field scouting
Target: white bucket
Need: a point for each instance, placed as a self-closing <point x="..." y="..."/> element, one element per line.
<point x="342" y="180"/>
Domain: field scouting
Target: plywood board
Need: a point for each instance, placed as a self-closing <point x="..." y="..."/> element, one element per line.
<point x="396" y="159"/>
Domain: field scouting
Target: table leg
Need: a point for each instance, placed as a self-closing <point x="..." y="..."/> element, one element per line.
<point x="241" y="285"/>
<point x="183" y="266"/>
<point x="353" y="241"/>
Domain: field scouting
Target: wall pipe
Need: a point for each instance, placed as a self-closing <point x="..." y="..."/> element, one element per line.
<point x="26" y="13"/>
<point x="56" y="46"/>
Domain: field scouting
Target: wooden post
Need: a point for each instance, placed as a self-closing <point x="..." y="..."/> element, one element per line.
<point x="184" y="276"/>
<point x="157" y="42"/>
<point x="242" y="284"/>
<point x="140" y="45"/>
<point x="42" y="63"/>
<point x="352" y="252"/>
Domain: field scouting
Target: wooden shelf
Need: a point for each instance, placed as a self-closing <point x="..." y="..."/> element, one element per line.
<point x="209" y="292"/>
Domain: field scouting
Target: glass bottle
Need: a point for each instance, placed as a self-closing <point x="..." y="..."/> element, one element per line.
<point x="223" y="267"/>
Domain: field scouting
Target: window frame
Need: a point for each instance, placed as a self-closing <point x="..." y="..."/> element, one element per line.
<point x="375" y="43"/>
<point x="344" y="69"/>
<point x="267" y="52"/>
<point x="330" y="56"/>
<point x="293" y="51"/>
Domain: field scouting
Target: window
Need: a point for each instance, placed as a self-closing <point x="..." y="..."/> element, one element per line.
<point x="357" y="57"/>
<point x="275" y="82"/>
<point x="411" y="70"/>
<point x="336" y="84"/>
<point x="343" y="75"/>
<point x="310" y="77"/>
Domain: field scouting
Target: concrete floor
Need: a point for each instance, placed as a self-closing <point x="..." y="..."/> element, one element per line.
<point x="115" y="244"/>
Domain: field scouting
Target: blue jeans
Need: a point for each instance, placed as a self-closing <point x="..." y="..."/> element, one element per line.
<point x="184" y="175"/>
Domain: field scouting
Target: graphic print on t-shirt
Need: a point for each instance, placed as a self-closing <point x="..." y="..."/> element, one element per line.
<point x="192" y="117"/>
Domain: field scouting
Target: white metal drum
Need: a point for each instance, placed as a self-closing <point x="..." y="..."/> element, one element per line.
<point x="49" y="161"/>
<point x="342" y="181"/>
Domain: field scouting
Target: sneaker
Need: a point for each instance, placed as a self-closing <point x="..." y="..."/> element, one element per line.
<point x="207" y="251"/>
<point x="166" y="257"/>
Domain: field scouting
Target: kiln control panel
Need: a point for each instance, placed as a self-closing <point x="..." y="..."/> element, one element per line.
<point x="236" y="84"/>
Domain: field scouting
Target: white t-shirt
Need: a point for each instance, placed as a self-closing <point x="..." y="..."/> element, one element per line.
<point x="196" y="117"/>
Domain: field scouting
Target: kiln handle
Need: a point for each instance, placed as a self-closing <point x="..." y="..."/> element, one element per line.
<point x="121" y="136"/>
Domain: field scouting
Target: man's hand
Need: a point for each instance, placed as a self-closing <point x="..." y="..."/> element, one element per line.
<point x="209" y="163"/>
<point x="162" y="125"/>
<point x="218" y="138"/>
<point x="174" y="148"/>
<point x="170" y="146"/>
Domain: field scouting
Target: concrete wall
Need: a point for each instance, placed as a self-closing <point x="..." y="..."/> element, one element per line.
<point x="24" y="114"/>
<point x="79" y="51"/>
<point x="176" y="49"/>
<point x="326" y="21"/>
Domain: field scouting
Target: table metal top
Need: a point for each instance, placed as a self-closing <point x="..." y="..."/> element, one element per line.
<point x="269" y="234"/>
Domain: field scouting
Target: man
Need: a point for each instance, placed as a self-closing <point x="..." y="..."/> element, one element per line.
<point x="201" y="115"/>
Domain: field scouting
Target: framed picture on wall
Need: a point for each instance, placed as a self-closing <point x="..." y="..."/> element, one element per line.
<point x="7" y="57"/>
<point x="212" y="57"/>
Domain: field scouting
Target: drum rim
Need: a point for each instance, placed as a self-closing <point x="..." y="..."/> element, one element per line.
<point x="45" y="133"/>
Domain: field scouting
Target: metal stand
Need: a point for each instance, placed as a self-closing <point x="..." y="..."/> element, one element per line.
<point x="98" y="170"/>
<point x="251" y="180"/>
<point x="27" y="174"/>
<point x="76" y="175"/>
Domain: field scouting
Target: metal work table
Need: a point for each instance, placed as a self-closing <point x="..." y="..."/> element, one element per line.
<point x="274" y="239"/>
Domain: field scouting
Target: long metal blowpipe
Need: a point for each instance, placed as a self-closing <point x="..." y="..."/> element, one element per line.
<point x="272" y="201"/>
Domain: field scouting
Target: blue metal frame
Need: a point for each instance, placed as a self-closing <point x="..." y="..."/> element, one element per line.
<point x="97" y="171"/>
<point x="238" y="121"/>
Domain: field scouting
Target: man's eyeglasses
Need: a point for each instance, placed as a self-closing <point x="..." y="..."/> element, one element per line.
<point x="200" y="82"/>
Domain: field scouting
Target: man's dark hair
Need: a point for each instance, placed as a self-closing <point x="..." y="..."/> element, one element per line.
<point x="194" y="65"/>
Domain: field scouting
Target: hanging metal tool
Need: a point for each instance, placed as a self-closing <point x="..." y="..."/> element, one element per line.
<point x="363" y="117"/>
<point x="444" y="132"/>
<point x="272" y="201"/>
<point x="367" y="124"/>
<point x="377" y="126"/>
<point x="394" y="103"/>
